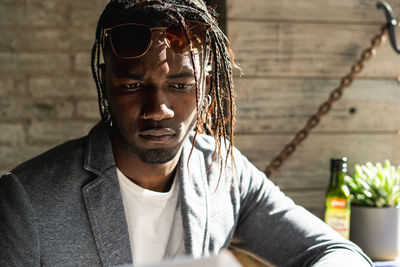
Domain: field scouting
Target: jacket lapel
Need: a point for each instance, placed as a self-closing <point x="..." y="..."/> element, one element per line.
<point x="104" y="202"/>
<point x="194" y="199"/>
<point x="105" y="208"/>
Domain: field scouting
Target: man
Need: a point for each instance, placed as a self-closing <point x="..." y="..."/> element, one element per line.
<point x="145" y="184"/>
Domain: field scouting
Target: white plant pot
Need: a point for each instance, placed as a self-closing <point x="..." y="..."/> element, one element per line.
<point x="376" y="231"/>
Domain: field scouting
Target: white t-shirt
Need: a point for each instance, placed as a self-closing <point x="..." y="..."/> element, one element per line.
<point x="154" y="222"/>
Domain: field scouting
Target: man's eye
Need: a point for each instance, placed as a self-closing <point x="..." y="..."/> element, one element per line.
<point x="132" y="86"/>
<point x="182" y="86"/>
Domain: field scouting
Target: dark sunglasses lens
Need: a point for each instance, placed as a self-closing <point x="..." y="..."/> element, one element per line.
<point x="130" y="40"/>
<point x="179" y="42"/>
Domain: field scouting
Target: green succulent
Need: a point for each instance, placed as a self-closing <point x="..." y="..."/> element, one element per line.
<point x="375" y="186"/>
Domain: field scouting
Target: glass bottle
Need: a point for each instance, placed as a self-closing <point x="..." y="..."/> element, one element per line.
<point x="337" y="199"/>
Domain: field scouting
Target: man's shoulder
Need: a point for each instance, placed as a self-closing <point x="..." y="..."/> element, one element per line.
<point x="212" y="150"/>
<point x="57" y="159"/>
<point x="67" y="157"/>
<point x="203" y="142"/>
<point x="207" y="145"/>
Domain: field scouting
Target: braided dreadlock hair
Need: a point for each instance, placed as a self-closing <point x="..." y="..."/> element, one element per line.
<point x="218" y="116"/>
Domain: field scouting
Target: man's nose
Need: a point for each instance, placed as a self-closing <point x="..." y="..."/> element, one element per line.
<point x="156" y="106"/>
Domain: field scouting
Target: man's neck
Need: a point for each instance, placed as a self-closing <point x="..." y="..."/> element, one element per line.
<point x="155" y="177"/>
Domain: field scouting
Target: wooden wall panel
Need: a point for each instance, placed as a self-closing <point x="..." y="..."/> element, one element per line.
<point x="307" y="49"/>
<point x="293" y="53"/>
<point x="271" y="105"/>
<point x="311" y="159"/>
<point x="358" y="11"/>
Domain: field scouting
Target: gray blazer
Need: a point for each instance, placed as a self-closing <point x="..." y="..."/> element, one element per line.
<point x="64" y="208"/>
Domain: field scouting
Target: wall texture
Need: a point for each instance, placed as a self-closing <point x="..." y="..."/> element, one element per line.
<point x="292" y="52"/>
<point x="46" y="91"/>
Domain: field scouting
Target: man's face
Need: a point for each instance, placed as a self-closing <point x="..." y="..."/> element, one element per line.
<point x="153" y="99"/>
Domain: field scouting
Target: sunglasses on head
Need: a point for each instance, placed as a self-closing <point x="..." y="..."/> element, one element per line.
<point x="132" y="40"/>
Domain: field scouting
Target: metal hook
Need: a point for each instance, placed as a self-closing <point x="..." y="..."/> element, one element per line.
<point x="391" y="24"/>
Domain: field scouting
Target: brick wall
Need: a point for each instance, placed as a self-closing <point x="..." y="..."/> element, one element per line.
<point x="47" y="94"/>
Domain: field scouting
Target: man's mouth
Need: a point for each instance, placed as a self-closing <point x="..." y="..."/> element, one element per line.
<point x="158" y="135"/>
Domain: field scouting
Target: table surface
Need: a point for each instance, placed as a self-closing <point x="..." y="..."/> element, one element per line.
<point x="395" y="263"/>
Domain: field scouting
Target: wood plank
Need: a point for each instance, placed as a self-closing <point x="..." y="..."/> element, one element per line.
<point x="270" y="105"/>
<point x="308" y="167"/>
<point x="308" y="49"/>
<point x="357" y="11"/>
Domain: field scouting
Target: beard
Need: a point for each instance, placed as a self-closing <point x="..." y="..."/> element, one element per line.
<point x="157" y="155"/>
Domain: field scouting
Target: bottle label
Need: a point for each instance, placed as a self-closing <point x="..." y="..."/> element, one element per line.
<point x="338" y="203"/>
<point x="337" y="216"/>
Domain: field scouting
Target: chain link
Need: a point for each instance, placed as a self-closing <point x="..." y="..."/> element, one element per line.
<point x="326" y="106"/>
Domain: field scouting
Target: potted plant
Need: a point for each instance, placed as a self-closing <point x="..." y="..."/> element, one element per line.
<point x="375" y="212"/>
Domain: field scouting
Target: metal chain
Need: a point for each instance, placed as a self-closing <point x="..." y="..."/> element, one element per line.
<point x="326" y="106"/>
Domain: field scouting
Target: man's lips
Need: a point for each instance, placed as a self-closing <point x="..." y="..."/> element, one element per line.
<point x="158" y="135"/>
<point x="158" y="132"/>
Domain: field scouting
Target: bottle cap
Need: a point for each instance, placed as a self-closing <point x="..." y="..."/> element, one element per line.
<point x="339" y="164"/>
